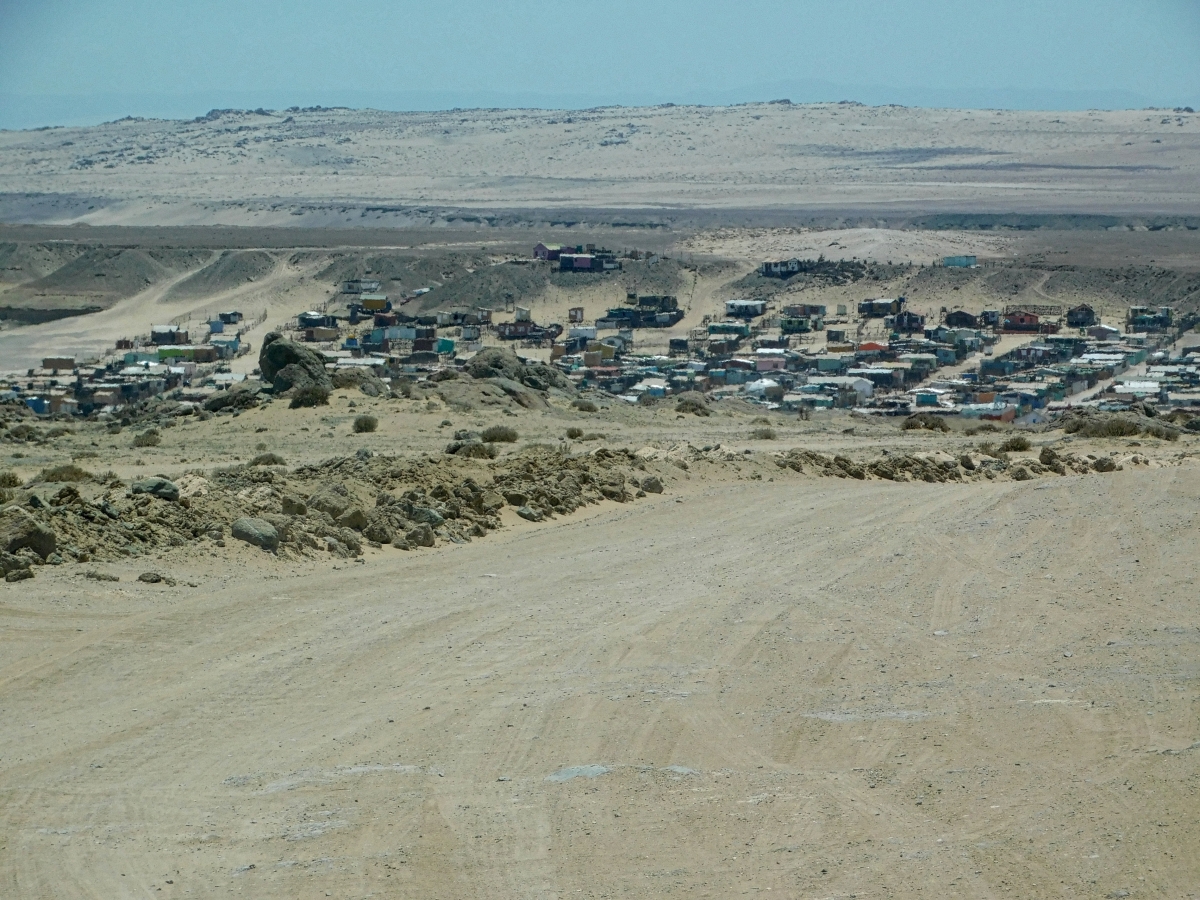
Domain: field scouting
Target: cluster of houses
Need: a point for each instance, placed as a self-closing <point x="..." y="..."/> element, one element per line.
<point x="168" y="358"/>
<point x="582" y="258"/>
<point x="754" y="351"/>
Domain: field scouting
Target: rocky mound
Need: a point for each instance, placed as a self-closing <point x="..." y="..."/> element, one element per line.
<point x="496" y="362"/>
<point x="934" y="468"/>
<point x="333" y="507"/>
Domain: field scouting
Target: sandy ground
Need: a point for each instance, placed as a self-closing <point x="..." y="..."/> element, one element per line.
<point x="879" y="244"/>
<point x="370" y="168"/>
<point x="281" y="295"/>
<point x="815" y="689"/>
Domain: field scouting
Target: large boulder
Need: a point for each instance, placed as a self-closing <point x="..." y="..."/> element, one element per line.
<point x="258" y="532"/>
<point x="20" y="530"/>
<point x="520" y="394"/>
<point x="354" y="518"/>
<point x="156" y="486"/>
<point x="361" y="377"/>
<point x="333" y="499"/>
<point x="497" y="362"/>
<point x="291" y="366"/>
<point x="420" y="536"/>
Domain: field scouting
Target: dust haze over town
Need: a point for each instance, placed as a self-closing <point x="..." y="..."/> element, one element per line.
<point x="679" y="498"/>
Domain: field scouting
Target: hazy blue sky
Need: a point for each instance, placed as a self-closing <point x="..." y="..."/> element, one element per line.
<point x="72" y="61"/>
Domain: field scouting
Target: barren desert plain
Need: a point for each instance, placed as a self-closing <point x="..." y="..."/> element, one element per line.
<point x="473" y="625"/>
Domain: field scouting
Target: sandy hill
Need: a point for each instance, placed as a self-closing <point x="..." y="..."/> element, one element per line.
<point x="364" y="167"/>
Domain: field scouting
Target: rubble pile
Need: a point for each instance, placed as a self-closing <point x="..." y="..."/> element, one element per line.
<point x="934" y="468"/>
<point x="336" y="506"/>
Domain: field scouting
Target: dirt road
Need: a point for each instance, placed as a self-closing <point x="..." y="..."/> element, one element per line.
<point x="819" y="689"/>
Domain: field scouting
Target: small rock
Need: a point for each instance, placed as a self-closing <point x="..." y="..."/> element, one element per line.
<point x="156" y="487"/>
<point x="1068" y="654"/>
<point x="426" y="516"/>
<point x="294" y="506"/>
<point x="652" y="485"/>
<point x="258" y="532"/>
<point x="154" y="578"/>
<point x="515" y="498"/>
<point x="530" y="514"/>
<point x="101" y="576"/>
<point x="19" y="574"/>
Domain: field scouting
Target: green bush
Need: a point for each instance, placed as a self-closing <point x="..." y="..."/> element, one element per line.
<point x="500" y="434"/>
<point x="574" y="433"/>
<point x="149" y="438"/>
<point x="9" y="480"/>
<point x="365" y="424"/>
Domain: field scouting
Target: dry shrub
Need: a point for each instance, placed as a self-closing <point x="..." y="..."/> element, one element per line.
<point x="1017" y="444"/>
<point x="574" y="433"/>
<point x="1100" y="425"/>
<point x="692" y="402"/>
<point x="65" y="473"/>
<point x="476" y="450"/>
<point x="365" y="424"/>
<point x="763" y="434"/>
<point x="586" y="406"/>
<point x="1160" y="431"/>
<point x="9" y="480"/>
<point x="268" y="459"/>
<point x="927" y="421"/>
<point x="500" y="434"/>
<point x="990" y="449"/>
<point x="309" y="396"/>
<point x="149" y="438"/>
<point x="980" y="428"/>
<point x="592" y="436"/>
